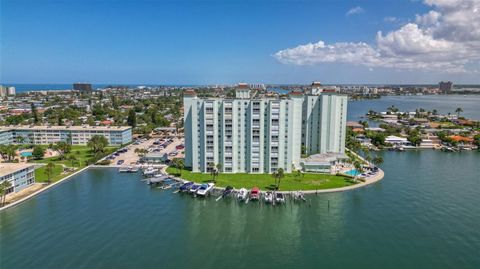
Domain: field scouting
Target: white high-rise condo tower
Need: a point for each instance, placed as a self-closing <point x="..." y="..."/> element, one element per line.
<point x="324" y="120"/>
<point x="258" y="135"/>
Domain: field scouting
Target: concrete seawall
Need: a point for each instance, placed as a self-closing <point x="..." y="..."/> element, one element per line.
<point x="43" y="189"/>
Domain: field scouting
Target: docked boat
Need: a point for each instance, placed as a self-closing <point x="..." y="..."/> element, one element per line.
<point x="124" y="169"/>
<point x="299" y="196"/>
<point x="279" y="198"/>
<point x="134" y="169"/>
<point x="128" y="169"/>
<point x="156" y="180"/>
<point x="193" y="189"/>
<point x="167" y="184"/>
<point x="150" y="171"/>
<point x="268" y="197"/>
<point x="205" y="189"/>
<point x="242" y="194"/>
<point x="228" y="190"/>
<point x="255" y="193"/>
<point x="185" y="186"/>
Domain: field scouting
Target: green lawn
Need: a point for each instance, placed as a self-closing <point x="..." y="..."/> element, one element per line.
<point x="40" y="175"/>
<point x="83" y="154"/>
<point x="266" y="181"/>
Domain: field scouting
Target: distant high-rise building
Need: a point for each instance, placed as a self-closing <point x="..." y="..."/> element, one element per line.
<point x="3" y="91"/>
<point x="11" y="90"/>
<point x="82" y="87"/>
<point x="445" y="87"/>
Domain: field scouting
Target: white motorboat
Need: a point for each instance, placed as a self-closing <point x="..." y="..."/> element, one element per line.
<point x="242" y="194"/>
<point x="193" y="189"/>
<point x="279" y="198"/>
<point x="299" y="196"/>
<point x="134" y="169"/>
<point x="124" y="169"/>
<point x="205" y="189"/>
<point x="150" y="171"/>
<point x="268" y="197"/>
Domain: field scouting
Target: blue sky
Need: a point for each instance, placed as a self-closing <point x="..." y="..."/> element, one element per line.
<point x="205" y="42"/>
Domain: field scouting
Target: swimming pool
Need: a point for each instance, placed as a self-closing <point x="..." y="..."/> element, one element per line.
<point x="353" y="172"/>
<point x="26" y="154"/>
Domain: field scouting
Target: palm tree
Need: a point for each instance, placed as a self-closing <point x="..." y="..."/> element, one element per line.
<point x="49" y="171"/>
<point x="141" y="152"/>
<point x="211" y="165"/>
<point x="4" y="186"/>
<point x="358" y="167"/>
<point x="278" y="175"/>
<point x="378" y="160"/>
<point x="73" y="160"/>
<point x="97" y="143"/>
<point x="218" y="168"/>
<point x="458" y="111"/>
<point x="180" y="164"/>
<point x="368" y="158"/>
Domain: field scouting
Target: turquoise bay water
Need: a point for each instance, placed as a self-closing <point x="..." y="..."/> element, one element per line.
<point x="424" y="214"/>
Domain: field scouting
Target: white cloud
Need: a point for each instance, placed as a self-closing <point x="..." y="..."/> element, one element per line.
<point x="447" y="38"/>
<point x="431" y="18"/>
<point x="355" y="10"/>
<point x="390" y="19"/>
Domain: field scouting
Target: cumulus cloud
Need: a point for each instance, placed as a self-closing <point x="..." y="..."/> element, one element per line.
<point x="355" y="10"/>
<point x="446" y="38"/>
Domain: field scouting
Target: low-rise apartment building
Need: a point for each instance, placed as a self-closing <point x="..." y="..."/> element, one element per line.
<point x="76" y="135"/>
<point x="19" y="175"/>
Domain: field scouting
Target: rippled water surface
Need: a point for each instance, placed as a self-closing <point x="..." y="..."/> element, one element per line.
<point x="442" y="103"/>
<point x="424" y="214"/>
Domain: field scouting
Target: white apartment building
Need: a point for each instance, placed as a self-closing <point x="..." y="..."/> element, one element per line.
<point x="256" y="135"/>
<point x="19" y="175"/>
<point x="77" y="135"/>
<point x="324" y="120"/>
<point x="242" y="134"/>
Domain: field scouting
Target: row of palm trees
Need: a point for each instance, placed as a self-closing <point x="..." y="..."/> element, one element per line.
<point x="393" y="109"/>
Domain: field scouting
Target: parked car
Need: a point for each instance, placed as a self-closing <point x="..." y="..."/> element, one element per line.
<point x="120" y="162"/>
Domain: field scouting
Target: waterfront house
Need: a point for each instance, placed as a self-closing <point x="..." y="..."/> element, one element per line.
<point x="375" y="129"/>
<point x="397" y="141"/>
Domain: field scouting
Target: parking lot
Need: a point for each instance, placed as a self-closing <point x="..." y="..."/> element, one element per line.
<point x="172" y="146"/>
